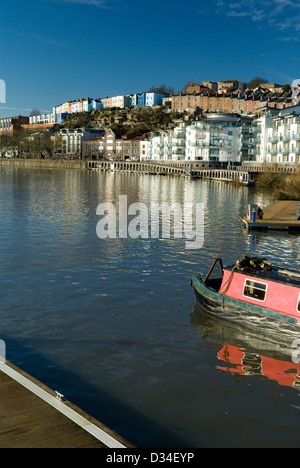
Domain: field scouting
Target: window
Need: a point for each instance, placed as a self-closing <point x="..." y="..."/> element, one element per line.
<point x="298" y="306"/>
<point x="255" y="290"/>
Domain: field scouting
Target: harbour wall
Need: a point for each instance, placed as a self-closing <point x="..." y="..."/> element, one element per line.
<point x="43" y="163"/>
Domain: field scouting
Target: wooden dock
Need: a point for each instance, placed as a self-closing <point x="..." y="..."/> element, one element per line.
<point x="33" y="416"/>
<point x="281" y="215"/>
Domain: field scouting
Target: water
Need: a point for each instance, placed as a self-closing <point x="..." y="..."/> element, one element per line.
<point x="112" y="324"/>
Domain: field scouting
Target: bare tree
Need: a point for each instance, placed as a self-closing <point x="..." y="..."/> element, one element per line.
<point x="256" y="81"/>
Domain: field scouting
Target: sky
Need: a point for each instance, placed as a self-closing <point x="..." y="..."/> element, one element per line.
<point x="53" y="51"/>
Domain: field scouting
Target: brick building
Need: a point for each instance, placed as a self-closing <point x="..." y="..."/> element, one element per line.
<point x="117" y="144"/>
<point x="235" y="102"/>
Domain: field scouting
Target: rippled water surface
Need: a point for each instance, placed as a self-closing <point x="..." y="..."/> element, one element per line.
<point x="112" y="324"/>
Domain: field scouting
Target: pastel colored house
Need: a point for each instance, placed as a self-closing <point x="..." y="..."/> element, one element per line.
<point x="97" y="104"/>
<point x="128" y="100"/>
<point x="141" y="100"/>
<point x="87" y="105"/>
<point x="59" y="117"/>
<point x="154" y="99"/>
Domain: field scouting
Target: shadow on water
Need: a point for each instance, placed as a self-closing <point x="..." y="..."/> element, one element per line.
<point x="251" y="351"/>
<point x="110" y="411"/>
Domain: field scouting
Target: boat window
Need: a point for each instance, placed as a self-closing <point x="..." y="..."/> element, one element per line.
<point x="255" y="290"/>
<point x="298" y="306"/>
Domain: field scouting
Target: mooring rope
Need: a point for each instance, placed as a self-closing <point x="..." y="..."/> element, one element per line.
<point x="228" y="282"/>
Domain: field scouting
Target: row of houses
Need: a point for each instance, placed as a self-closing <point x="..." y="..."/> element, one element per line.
<point x="225" y="96"/>
<point x="216" y="138"/>
<point x="7" y="124"/>
<point x="272" y="136"/>
<point x="62" y="111"/>
<point x="231" y="96"/>
<point x="276" y="136"/>
<point x="234" y="101"/>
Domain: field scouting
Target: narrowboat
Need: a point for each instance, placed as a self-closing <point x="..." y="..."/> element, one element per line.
<point x="252" y="287"/>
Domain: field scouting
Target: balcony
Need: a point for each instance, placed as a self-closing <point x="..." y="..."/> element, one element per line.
<point x="255" y="140"/>
<point x="255" y="129"/>
<point x="179" y="136"/>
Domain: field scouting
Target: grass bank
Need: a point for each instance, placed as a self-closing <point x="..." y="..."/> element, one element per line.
<point x="281" y="186"/>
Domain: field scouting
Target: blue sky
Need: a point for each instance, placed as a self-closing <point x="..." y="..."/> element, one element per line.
<point x="56" y="50"/>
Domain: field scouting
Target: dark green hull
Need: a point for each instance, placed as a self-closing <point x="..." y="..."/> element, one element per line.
<point x="218" y="304"/>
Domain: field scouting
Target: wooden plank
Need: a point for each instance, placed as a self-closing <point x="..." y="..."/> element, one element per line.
<point x="280" y="215"/>
<point x="27" y="420"/>
<point x="281" y="211"/>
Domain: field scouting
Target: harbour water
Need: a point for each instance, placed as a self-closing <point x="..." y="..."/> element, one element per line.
<point x="112" y="323"/>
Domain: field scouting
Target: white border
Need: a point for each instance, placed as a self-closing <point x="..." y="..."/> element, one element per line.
<point x="258" y="282"/>
<point x="58" y="404"/>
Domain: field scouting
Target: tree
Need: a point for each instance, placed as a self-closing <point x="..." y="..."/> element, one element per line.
<point x="187" y="85"/>
<point x="34" y="113"/>
<point x="286" y="88"/>
<point x="256" y="81"/>
<point x="162" y="89"/>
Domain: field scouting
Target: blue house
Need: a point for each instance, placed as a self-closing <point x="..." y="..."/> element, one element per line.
<point x="154" y="99"/>
<point x="141" y="100"/>
<point x="60" y="117"/>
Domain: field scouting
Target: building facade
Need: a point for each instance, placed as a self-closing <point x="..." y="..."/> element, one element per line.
<point x="116" y="145"/>
<point x="216" y="138"/>
<point x="70" y="142"/>
<point x="237" y="101"/>
<point x="283" y="138"/>
<point x="9" y="123"/>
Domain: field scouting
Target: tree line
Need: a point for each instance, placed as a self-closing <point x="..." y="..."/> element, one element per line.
<point x="22" y="143"/>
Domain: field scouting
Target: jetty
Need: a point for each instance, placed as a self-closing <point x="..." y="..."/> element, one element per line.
<point x="282" y="215"/>
<point x="34" y="416"/>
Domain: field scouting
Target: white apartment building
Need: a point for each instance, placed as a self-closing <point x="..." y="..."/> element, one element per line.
<point x="42" y="119"/>
<point x="168" y="145"/>
<point x="69" y="141"/>
<point x="283" y="140"/>
<point x="259" y="135"/>
<point x="217" y="138"/>
<point x="275" y="136"/>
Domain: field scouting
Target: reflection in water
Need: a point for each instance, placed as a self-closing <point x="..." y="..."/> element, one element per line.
<point x="249" y="352"/>
<point x="115" y="313"/>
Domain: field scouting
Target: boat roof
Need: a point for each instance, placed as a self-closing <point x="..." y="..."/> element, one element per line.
<point x="278" y="275"/>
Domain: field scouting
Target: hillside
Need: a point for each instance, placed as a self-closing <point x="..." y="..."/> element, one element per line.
<point x="141" y="121"/>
